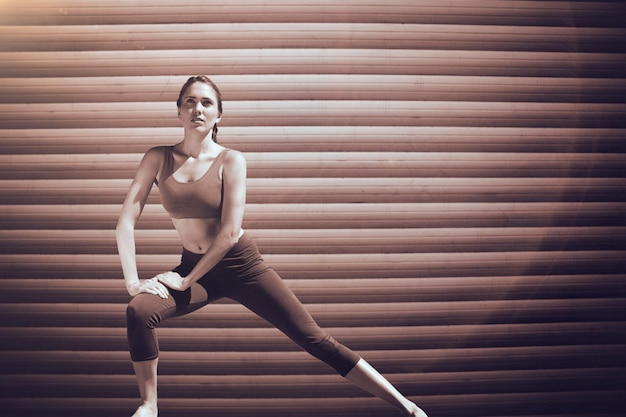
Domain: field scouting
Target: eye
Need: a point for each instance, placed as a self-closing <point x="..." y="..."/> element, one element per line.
<point x="207" y="103"/>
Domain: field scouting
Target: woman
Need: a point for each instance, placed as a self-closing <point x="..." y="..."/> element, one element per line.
<point x="203" y="188"/>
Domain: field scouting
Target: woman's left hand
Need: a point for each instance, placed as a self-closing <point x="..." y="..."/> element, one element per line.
<point x="173" y="280"/>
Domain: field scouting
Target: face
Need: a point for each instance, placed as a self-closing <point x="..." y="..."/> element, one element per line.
<point x="198" y="109"/>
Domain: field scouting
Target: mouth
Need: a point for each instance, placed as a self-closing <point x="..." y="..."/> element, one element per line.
<point x="197" y="120"/>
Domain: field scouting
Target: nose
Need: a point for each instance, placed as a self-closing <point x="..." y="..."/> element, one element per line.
<point x="198" y="108"/>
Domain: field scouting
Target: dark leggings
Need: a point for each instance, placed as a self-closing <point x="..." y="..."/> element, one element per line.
<point x="243" y="276"/>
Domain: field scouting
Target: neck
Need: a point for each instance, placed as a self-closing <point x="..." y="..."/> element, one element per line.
<point x="194" y="147"/>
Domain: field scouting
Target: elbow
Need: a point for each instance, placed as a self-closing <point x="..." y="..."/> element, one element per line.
<point x="123" y="227"/>
<point x="120" y="233"/>
<point x="120" y="226"/>
<point x="231" y="237"/>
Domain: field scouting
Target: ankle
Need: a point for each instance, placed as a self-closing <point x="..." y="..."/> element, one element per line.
<point x="150" y="405"/>
<point x="415" y="411"/>
<point x="147" y="409"/>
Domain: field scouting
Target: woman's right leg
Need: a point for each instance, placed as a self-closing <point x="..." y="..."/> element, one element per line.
<point x="146" y="373"/>
<point x="144" y="313"/>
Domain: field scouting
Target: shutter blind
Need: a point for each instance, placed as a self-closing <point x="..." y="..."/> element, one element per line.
<point x="442" y="184"/>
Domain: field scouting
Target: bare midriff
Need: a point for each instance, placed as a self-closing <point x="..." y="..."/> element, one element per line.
<point x="197" y="235"/>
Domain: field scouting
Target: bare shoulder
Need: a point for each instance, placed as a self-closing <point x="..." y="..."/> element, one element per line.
<point x="154" y="156"/>
<point x="156" y="151"/>
<point x="234" y="159"/>
<point x="151" y="164"/>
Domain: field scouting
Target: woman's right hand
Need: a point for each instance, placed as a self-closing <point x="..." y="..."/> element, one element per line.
<point x="149" y="286"/>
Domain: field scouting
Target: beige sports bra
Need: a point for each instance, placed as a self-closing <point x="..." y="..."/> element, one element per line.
<point x="199" y="199"/>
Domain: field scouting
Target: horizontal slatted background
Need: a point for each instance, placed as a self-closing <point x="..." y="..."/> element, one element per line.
<point x="442" y="183"/>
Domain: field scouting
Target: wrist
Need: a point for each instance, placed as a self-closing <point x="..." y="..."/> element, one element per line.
<point x="132" y="286"/>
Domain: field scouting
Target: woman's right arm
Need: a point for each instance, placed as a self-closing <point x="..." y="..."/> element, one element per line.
<point x="125" y="230"/>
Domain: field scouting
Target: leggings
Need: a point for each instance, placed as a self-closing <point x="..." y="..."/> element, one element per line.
<point x="242" y="275"/>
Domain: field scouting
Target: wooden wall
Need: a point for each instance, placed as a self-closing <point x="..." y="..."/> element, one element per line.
<point x="442" y="183"/>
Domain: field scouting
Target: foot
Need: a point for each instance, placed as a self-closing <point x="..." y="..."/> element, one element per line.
<point x="415" y="411"/>
<point x="146" y="410"/>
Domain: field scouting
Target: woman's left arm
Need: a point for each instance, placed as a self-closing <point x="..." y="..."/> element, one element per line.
<point x="233" y="206"/>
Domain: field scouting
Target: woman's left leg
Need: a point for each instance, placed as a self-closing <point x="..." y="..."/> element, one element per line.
<point x="364" y="376"/>
<point x="269" y="297"/>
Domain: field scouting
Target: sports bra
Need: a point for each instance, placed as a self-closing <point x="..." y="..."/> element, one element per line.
<point x="199" y="199"/>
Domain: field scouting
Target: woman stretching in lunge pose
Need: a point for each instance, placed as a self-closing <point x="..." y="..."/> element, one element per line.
<point x="203" y="188"/>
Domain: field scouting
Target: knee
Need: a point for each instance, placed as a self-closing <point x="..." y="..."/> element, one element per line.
<point x="317" y="342"/>
<point x="324" y="347"/>
<point x="140" y="312"/>
<point x="335" y="354"/>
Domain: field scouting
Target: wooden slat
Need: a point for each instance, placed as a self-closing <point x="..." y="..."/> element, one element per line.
<point x="317" y="138"/>
<point x="350" y="290"/>
<point x="327" y="87"/>
<point x="532" y="405"/>
<point x="342" y="190"/>
<point x="80" y="386"/>
<point x="362" y="338"/>
<point x="313" y="35"/>
<point x="313" y="266"/>
<point x="336" y="216"/>
<point x="346" y="112"/>
<point x="299" y="241"/>
<point x="289" y="363"/>
<point x="487" y="12"/>
<point x="339" y="164"/>
<point x="319" y="61"/>
<point x="335" y="315"/>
